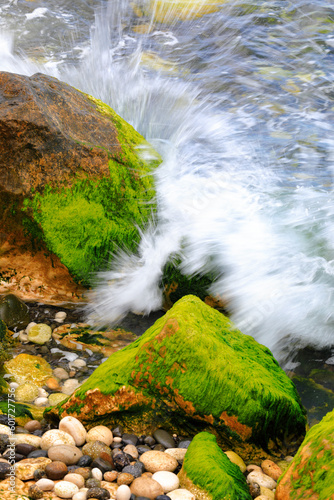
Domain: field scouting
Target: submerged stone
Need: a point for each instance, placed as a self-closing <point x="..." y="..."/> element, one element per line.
<point x="13" y="311"/>
<point x="311" y="473"/>
<point x="188" y="372"/>
<point x="209" y="474"/>
<point x="26" y="367"/>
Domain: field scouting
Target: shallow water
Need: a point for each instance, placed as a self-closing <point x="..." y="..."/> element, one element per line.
<point x="239" y="103"/>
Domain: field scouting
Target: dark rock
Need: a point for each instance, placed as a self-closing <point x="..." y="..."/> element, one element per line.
<point x="4" y="442"/>
<point x="159" y="447"/>
<point x="4" y="419"/>
<point x="121" y="460"/>
<point x="132" y="497"/>
<point x="38" y="432"/>
<point x="98" y="493"/>
<point x="35" y="492"/>
<point x="84" y="461"/>
<point x="103" y="465"/>
<point x="144" y="498"/>
<point x="136" y="470"/>
<point x="142" y="448"/>
<point x="56" y="470"/>
<point x="116" y="446"/>
<point x="24" y="448"/>
<point x="164" y="438"/>
<point x="150" y="441"/>
<point x="184" y="444"/>
<point x="85" y="472"/>
<point x="39" y="473"/>
<point x="17" y="457"/>
<point x="118" y="431"/>
<point x="38" y="453"/>
<point x="13" y="311"/>
<point x="130" y="439"/>
<point x="4" y="470"/>
<point x="163" y="497"/>
<point x="254" y="490"/>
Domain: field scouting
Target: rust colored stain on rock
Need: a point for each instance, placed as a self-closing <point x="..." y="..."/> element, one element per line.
<point x="170" y="328"/>
<point x="242" y="430"/>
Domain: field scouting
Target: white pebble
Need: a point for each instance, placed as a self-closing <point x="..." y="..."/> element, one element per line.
<point x="60" y="316"/>
<point x="100" y="433"/>
<point x="261" y="479"/>
<point x="97" y="474"/>
<point x="41" y="401"/>
<point x="74" y="427"/>
<point x="181" y="494"/>
<point x="70" y="386"/>
<point x="42" y="393"/>
<point x="45" y="484"/>
<point x="77" y="363"/>
<point x="30" y="326"/>
<point x="13" y="385"/>
<point x="123" y="492"/>
<point x="65" y="489"/>
<point x="23" y="337"/>
<point x="60" y="373"/>
<point x="117" y="439"/>
<point x="168" y="480"/>
<point x="81" y="495"/>
<point x="75" y="479"/>
<point x="56" y="437"/>
<point x="4" y="429"/>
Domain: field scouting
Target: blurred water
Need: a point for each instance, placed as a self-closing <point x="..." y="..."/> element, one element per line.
<point x="239" y="102"/>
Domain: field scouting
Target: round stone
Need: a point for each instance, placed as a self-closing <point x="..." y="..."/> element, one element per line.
<point x="271" y="469"/>
<point x="78" y="363"/>
<point x="74" y="427"/>
<point x="123" y="492"/>
<point x="75" y="479"/>
<point x="56" y="437"/>
<point x="65" y="489"/>
<point x="70" y="386"/>
<point x="110" y="476"/>
<point x="85" y="461"/>
<point x="60" y="316"/>
<point x="261" y="479"/>
<point x="26" y="392"/>
<point x="184" y="443"/>
<point x="93" y="483"/>
<point x="42" y="393"/>
<point x="124" y="478"/>
<point x="181" y="494"/>
<point x="25" y="469"/>
<point x="70" y="455"/>
<point x="150" y="441"/>
<point x="131" y="450"/>
<point x="168" y="480"/>
<point x="97" y="473"/>
<point x="4" y="469"/>
<point x="38" y="453"/>
<point x="164" y="438"/>
<point x="27" y="438"/>
<point x="85" y="472"/>
<point x="142" y="448"/>
<point x="33" y="425"/>
<point x="4" y="429"/>
<point x="155" y="461"/>
<point x="98" y="493"/>
<point x="130" y="439"/>
<point x="177" y="453"/>
<point x="56" y="470"/>
<point x="235" y="459"/>
<point x="60" y="373"/>
<point x="95" y="448"/>
<point x="81" y="495"/>
<point x="146" y="487"/>
<point x="41" y="402"/>
<point x="39" y="474"/>
<point x="39" y="334"/>
<point x="24" y="448"/>
<point x="45" y="484"/>
<point x="35" y="492"/>
<point x="135" y="470"/>
<point x="100" y="433"/>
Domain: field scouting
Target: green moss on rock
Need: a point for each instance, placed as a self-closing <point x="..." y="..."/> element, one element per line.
<point x="311" y="473"/>
<point x="194" y="370"/>
<point x="208" y="473"/>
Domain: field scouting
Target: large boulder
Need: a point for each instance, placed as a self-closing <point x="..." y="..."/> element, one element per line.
<point x="72" y="184"/>
<point x="193" y="370"/>
<point x="311" y="473"/>
<point x="209" y="474"/>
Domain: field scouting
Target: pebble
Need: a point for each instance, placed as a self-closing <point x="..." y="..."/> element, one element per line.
<point x="85" y="461"/>
<point x="56" y="470"/>
<point x="124" y="478"/>
<point x="33" y="425"/>
<point x="53" y="384"/>
<point x="26" y="392"/>
<point x="56" y="397"/>
<point x="235" y="459"/>
<point x="261" y="479"/>
<point x="110" y="476"/>
<point x="97" y="474"/>
<point x="65" y="489"/>
<point x="68" y="454"/>
<point x="181" y="494"/>
<point x="145" y="486"/>
<point x="77" y="363"/>
<point x="168" y="480"/>
<point x="23" y="337"/>
<point x="70" y="386"/>
<point x="41" y="402"/>
<point x="45" y="484"/>
<point x="39" y="334"/>
<point x="184" y="444"/>
<point x="35" y="492"/>
<point x="252" y="467"/>
<point x="130" y="439"/>
<point x="38" y="453"/>
<point x="74" y="427"/>
<point x="56" y="437"/>
<point x="29" y="326"/>
<point x="85" y="472"/>
<point x="100" y="433"/>
<point x="93" y="483"/>
<point x="135" y="470"/>
<point x="4" y="469"/>
<point x="155" y="461"/>
<point x="271" y="469"/>
<point x="267" y="492"/>
<point x="123" y="492"/>
<point x="60" y="373"/>
<point x="81" y="495"/>
<point x="177" y="453"/>
<point x="117" y="439"/>
<point x="25" y="469"/>
<point x="42" y="393"/>
<point x="131" y="450"/>
<point x="75" y="479"/>
<point x="98" y="493"/>
<point x="60" y="316"/>
<point x="103" y="465"/>
<point x="24" y="448"/>
<point x="164" y="438"/>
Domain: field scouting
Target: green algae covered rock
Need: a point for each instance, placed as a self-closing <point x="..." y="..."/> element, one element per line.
<point x="27" y="368"/>
<point x="209" y="474"/>
<point x="193" y="370"/>
<point x="311" y="473"/>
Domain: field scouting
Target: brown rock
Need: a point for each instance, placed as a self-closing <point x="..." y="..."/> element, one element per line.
<point x="110" y="476"/>
<point x="155" y="461"/>
<point x="146" y="487"/>
<point x="56" y="470"/>
<point x="271" y="469"/>
<point x="124" y="478"/>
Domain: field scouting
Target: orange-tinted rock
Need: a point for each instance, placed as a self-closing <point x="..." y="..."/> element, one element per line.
<point x="271" y="469"/>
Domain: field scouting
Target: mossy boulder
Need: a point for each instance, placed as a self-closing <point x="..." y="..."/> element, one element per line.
<point x="311" y="473"/>
<point x="193" y="370"/>
<point x="75" y="184"/>
<point x="209" y="474"/>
